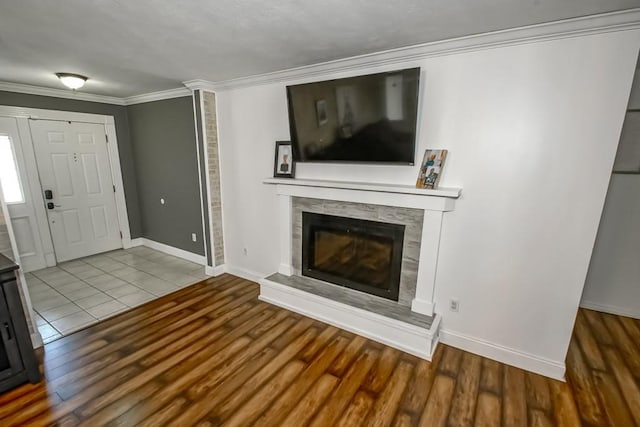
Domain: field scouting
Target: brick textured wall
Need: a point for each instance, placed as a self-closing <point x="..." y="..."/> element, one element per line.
<point x="215" y="198"/>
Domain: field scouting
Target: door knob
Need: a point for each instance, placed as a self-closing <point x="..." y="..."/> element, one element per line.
<point x="50" y="205"/>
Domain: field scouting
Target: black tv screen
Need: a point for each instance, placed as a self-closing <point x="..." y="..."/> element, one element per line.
<point x="369" y="119"/>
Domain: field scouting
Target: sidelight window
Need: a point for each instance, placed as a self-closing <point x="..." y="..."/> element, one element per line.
<point x="9" y="176"/>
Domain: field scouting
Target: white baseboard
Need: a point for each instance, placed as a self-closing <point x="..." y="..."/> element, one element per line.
<point x="509" y="356"/>
<point x="409" y="338"/>
<point x="244" y="273"/>
<point x="36" y="339"/>
<point x="611" y="309"/>
<point x="215" y="271"/>
<point x="170" y="250"/>
<point x="132" y="243"/>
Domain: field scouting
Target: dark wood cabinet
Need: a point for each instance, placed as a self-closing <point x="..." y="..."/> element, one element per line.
<point x="17" y="359"/>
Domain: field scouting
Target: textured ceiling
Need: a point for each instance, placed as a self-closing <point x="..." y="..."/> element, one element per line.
<point x="139" y="46"/>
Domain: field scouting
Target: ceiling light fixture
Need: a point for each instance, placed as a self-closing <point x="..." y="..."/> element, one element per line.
<point x="72" y="81"/>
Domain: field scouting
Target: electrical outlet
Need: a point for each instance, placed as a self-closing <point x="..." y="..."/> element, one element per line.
<point x="454" y="304"/>
<point x="194" y="238"/>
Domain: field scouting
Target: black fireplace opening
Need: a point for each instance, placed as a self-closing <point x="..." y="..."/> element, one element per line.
<point x="359" y="254"/>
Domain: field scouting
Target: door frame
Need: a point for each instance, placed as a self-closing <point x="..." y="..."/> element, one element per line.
<point x="23" y="115"/>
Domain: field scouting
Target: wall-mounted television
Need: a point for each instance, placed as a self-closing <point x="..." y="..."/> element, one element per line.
<point x="362" y="119"/>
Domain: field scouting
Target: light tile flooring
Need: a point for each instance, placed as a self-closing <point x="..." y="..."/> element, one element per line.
<point x="82" y="292"/>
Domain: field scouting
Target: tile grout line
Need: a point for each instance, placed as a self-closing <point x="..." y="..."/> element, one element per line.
<point x="109" y="256"/>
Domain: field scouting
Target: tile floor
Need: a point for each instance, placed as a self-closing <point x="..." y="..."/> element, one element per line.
<point x="82" y="292"/>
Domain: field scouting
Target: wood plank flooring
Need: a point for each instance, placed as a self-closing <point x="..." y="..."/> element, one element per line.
<point x="213" y="354"/>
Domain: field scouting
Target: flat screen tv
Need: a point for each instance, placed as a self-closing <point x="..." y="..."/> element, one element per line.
<point x="366" y="119"/>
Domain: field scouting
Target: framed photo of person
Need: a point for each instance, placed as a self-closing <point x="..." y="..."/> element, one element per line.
<point x="284" y="166"/>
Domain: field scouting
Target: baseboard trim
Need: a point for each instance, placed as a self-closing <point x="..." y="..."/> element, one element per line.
<point x="36" y="339"/>
<point x="611" y="309"/>
<point x="170" y="250"/>
<point x="132" y="243"/>
<point x="243" y="272"/>
<point x="215" y="271"/>
<point x="530" y="362"/>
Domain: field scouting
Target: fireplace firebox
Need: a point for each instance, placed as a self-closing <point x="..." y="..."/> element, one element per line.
<point x="359" y="254"/>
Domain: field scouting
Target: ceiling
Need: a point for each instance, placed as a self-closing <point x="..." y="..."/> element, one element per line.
<point x="133" y="47"/>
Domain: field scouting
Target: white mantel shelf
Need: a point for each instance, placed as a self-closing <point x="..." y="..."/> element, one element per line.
<point x="453" y="193"/>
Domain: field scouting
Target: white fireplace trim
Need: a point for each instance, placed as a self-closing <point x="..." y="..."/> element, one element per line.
<point x="433" y="206"/>
<point x="416" y="340"/>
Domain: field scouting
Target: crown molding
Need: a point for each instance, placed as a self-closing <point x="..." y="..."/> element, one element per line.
<point x="575" y="27"/>
<point x="199" y="84"/>
<point x="82" y="96"/>
<point x="60" y="93"/>
<point x="157" y="96"/>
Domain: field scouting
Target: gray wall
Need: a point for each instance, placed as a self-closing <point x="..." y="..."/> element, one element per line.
<point x="166" y="166"/>
<point x="122" y="131"/>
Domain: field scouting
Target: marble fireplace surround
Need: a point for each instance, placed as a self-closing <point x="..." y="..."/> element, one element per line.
<point x="420" y="210"/>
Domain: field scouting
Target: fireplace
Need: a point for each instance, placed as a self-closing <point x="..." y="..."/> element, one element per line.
<point x="359" y="254"/>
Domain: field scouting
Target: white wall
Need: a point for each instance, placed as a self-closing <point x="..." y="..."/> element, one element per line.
<point x="613" y="281"/>
<point x="532" y="131"/>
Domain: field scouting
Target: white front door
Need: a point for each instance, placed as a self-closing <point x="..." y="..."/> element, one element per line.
<point x="17" y="193"/>
<point x="73" y="163"/>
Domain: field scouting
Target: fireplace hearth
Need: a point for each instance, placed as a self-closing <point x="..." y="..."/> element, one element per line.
<point x="359" y="254"/>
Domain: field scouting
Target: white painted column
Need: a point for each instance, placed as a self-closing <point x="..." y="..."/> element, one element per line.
<point x="431" y="227"/>
<point x="285" y="213"/>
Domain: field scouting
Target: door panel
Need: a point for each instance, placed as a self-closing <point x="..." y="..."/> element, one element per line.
<point x="91" y="174"/>
<point x="71" y="226"/>
<point x="99" y="222"/>
<point x="25" y="240"/>
<point x="21" y="208"/>
<point x="62" y="168"/>
<point x="73" y="163"/>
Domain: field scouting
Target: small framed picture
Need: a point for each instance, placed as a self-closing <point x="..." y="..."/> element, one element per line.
<point x="321" y="112"/>
<point x="431" y="169"/>
<point x="284" y="166"/>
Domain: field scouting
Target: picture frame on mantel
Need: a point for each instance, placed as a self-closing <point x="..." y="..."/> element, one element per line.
<point x="431" y="169"/>
<point x="284" y="166"/>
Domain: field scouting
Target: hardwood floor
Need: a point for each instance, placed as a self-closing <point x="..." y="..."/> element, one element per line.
<point x="213" y="354"/>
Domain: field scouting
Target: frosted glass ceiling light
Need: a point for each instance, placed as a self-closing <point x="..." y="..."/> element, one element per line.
<point x="72" y="81"/>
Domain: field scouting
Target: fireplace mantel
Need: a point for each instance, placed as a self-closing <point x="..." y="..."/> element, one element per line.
<point x="453" y="193"/>
<point x="434" y="203"/>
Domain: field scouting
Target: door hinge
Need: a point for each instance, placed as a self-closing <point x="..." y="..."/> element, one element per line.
<point x="121" y="234"/>
<point x="114" y="188"/>
<point x="107" y="138"/>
